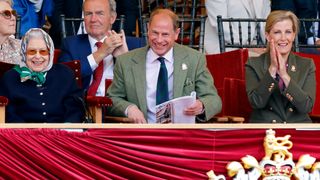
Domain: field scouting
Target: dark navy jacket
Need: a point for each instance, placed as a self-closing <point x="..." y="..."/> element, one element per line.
<point x="78" y="48"/>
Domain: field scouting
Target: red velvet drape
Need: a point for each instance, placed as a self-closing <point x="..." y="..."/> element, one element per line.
<point x="135" y="153"/>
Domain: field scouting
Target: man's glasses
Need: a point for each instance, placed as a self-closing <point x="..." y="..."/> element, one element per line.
<point x="7" y="14"/>
<point x="42" y="52"/>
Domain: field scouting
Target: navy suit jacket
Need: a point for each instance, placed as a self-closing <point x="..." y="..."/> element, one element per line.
<point x="78" y="48"/>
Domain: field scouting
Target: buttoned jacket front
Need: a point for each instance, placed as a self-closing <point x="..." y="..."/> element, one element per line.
<point x="269" y="104"/>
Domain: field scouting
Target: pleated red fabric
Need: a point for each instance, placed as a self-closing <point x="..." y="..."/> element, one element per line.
<point x="135" y="153"/>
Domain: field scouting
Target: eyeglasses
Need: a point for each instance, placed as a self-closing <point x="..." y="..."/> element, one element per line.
<point x="42" y="52"/>
<point x="7" y="14"/>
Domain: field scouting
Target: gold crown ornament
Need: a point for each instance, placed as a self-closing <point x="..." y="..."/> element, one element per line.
<point x="277" y="164"/>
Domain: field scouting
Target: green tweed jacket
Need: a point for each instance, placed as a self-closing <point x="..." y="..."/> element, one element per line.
<point x="129" y="82"/>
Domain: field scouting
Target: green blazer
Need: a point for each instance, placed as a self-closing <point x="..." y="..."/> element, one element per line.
<point x="129" y="81"/>
<point x="269" y="104"/>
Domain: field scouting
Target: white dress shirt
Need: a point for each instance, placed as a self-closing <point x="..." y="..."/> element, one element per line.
<point x="152" y="72"/>
<point x="37" y="4"/>
<point x="107" y="66"/>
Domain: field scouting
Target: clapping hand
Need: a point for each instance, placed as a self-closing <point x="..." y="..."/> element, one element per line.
<point x="278" y="64"/>
<point x="123" y="48"/>
<point x="114" y="44"/>
<point x="273" y="68"/>
<point x="112" y="41"/>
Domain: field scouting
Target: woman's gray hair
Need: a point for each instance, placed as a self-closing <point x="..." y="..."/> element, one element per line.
<point x="36" y="33"/>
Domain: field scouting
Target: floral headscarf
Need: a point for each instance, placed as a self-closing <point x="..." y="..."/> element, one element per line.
<point x="36" y="33"/>
<point x="23" y="70"/>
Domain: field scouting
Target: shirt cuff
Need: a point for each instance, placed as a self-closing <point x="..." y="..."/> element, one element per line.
<point x="93" y="64"/>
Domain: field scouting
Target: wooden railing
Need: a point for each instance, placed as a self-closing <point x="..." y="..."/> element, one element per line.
<point x="161" y="126"/>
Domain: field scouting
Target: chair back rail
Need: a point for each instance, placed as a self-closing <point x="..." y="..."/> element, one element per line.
<point x="71" y="24"/>
<point x="237" y="38"/>
<point x="183" y="8"/>
<point x="18" y="27"/>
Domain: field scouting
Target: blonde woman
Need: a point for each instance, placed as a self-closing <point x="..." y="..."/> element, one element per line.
<point x="280" y="85"/>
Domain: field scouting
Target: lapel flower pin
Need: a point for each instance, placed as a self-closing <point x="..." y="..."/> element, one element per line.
<point x="293" y="68"/>
<point x="184" y="66"/>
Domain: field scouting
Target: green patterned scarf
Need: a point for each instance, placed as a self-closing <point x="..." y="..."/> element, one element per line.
<point x="26" y="74"/>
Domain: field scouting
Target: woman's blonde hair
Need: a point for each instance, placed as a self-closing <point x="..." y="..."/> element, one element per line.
<point x="8" y="1"/>
<point x="281" y="15"/>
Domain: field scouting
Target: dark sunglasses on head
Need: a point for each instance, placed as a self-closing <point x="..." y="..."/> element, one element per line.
<point x="42" y="52"/>
<point x="7" y="13"/>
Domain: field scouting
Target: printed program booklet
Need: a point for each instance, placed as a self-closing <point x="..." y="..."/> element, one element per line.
<point x="172" y="111"/>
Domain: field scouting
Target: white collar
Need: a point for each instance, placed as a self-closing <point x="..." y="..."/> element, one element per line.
<point x="93" y="41"/>
<point x="168" y="56"/>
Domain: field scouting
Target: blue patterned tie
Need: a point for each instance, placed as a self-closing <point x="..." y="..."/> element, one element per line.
<point x="162" y="85"/>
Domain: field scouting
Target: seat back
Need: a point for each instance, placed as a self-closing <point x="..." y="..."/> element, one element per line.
<point x="189" y="34"/>
<point x="229" y="64"/>
<point x="56" y="55"/>
<point x="235" y="100"/>
<point x="135" y="42"/>
<point x="316" y="60"/>
<point x="70" y="26"/>
<point x="75" y="66"/>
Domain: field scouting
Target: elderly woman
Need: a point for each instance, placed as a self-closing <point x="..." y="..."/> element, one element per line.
<point x="280" y="85"/>
<point x="10" y="47"/>
<point x="38" y="90"/>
